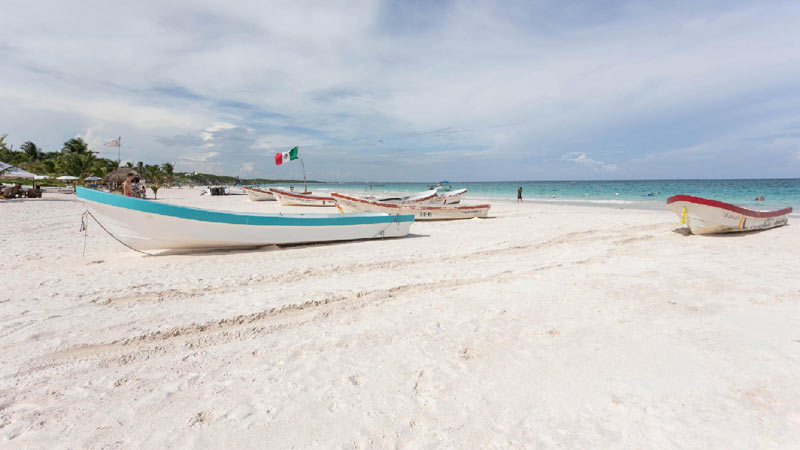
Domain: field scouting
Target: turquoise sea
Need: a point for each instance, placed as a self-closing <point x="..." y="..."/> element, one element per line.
<point x="778" y="193"/>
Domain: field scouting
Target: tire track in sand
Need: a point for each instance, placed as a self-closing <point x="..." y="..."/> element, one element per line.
<point x="571" y="238"/>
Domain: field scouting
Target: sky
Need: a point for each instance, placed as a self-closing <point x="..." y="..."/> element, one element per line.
<point x="412" y="90"/>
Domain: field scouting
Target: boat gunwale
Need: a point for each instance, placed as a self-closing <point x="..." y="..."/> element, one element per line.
<point x="420" y="199"/>
<point x="728" y="206"/>
<point x="292" y="194"/>
<point x="259" y="190"/>
<point x="410" y="206"/>
<point x="452" y="193"/>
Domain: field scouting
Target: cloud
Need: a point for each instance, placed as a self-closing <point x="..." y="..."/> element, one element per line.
<point x="247" y="168"/>
<point x="452" y="83"/>
<point x="208" y="134"/>
<point x="583" y="159"/>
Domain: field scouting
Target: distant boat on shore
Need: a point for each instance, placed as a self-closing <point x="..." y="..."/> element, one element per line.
<point x="287" y="198"/>
<point x="349" y="204"/>
<point x="448" y="197"/>
<point x="144" y="224"/>
<point x="222" y="190"/>
<point x="429" y="197"/>
<point x="257" y="194"/>
<point x="420" y="198"/>
<point x="704" y="216"/>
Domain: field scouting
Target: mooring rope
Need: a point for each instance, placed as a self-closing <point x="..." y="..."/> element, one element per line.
<point x="85" y="229"/>
<point x="382" y="233"/>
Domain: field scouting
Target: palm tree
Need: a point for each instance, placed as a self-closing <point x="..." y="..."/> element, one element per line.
<point x="76" y="145"/>
<point x="140" y="168"/>
<point x="34" y="153"/>
<point x="77" y="164"/>
<point x="154" y="175"/>
<point x="49" y="165"/>
<point x="168" y="169"/>
<point x="103" y="166"/>
<point x="5" y="154"/>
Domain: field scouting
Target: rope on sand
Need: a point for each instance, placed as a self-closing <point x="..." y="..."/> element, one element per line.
<point x="85" y="229"/>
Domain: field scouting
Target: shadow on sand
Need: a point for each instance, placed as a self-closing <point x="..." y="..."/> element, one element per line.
<point x="43" y="199"/>
<point x="684" y="231"/>
<point x="274" y="247"/>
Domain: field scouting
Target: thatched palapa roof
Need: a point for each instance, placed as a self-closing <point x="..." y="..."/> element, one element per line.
<point x="119" y="175"/>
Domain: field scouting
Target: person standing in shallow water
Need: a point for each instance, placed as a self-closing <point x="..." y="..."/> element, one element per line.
<point x="519" y="194"/>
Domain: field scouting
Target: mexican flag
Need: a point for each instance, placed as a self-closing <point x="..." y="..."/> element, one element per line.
<point x="281" y="158"/>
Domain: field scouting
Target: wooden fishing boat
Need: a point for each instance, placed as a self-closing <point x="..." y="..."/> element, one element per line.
<point x="258" y="195"/>
<point x="287" y="198"/>
<point x="420" y="197"/>
<point x="704" y="216"/>
<point x="447" y="197"/>
<point x="350" y="204"/>
<point x="144" y="224"/>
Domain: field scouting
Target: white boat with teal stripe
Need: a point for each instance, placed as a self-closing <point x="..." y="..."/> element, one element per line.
<point x="146" y="224"/>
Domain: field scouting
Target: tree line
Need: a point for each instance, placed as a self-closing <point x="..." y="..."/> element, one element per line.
<point x="78" y="160"/>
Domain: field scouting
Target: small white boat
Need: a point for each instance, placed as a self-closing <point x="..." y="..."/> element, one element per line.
<point x="258" y="195"/>
<point x="704" y="216"/>
<point x="287" y="198"/>
<point x="222" y="190"/>
<point x="447" y="197"/>
<point x="420" y="197"/>
<point x="350" y="204"/>
<point x="144" y="224"/>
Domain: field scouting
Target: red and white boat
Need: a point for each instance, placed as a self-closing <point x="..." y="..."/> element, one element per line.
<point x="447" y="197"/>
<point x="287" y="198"/>
<point x="704" y="216"/>
<point x="349" y="204"/>
<point x="258" y="195"/>
<point x="420" y="198"/>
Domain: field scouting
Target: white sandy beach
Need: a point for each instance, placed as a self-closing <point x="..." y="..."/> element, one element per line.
<point x="545" y="326"/>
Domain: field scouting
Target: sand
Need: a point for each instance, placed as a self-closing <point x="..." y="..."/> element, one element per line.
<point x="545" y="326"/>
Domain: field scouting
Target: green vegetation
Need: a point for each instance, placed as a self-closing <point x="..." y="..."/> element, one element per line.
<point x="77" y="159"/>
<point x="29" y="182"/>
<point x="211" y="179"/>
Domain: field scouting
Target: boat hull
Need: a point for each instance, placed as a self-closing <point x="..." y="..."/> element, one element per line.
<point x="292" y="199"/>
<point x="704" y="216"/>
<point x="258" y="195"/>
<point x="150" y="225"/>
<point x="447" y="198"/>
<point x="419" y="198"/>
<point x="350" y="204"/>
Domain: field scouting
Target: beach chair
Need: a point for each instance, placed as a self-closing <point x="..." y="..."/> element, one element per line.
<point x="12" y="192"/>
<point x="33" y="193"/>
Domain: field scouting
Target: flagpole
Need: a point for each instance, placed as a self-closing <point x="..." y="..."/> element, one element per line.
<point x="305" y="187"/>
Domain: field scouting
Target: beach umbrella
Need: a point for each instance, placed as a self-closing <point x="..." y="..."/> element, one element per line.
<point x="66" y="178"/>
<point x="92" y="179"/>
<point x="14" y="172"/>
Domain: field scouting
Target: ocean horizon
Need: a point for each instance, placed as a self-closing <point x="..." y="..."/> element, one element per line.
<point x="641" y="194"/>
